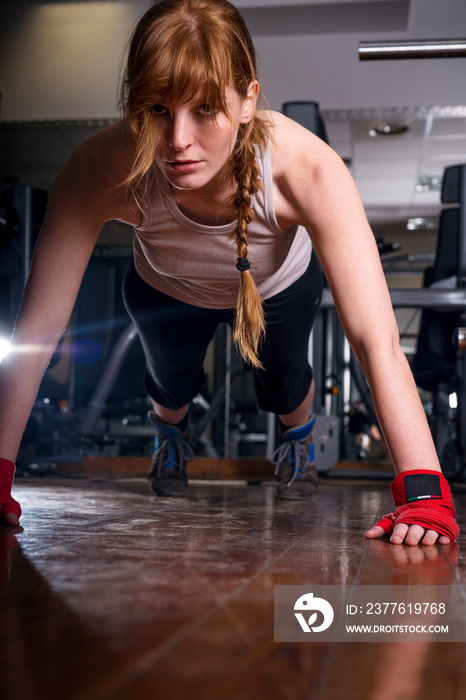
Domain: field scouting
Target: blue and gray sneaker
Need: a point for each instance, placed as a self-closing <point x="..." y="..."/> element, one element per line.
<point x="168" y="476"/>
<point x="294" y="462"/>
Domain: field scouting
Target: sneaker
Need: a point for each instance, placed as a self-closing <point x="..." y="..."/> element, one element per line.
<point x="294" y="462"/>
<point x="168" y="476"/>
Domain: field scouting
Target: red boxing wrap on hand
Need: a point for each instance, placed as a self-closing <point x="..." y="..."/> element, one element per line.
<point x="422" y="497"/>
<point x="7" y="503"/>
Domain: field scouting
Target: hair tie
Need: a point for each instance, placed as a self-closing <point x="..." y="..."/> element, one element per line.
<point x="243" y="264"/>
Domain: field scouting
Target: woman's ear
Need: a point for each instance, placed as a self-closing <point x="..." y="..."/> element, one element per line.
<point x="249" y="104"/>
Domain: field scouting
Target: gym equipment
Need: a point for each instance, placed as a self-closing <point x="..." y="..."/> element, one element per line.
<point x="308" y="115"/>
<point x="22" y="212"/>
<point x="437" y="365"/>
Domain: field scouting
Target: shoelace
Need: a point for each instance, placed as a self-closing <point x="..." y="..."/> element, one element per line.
<point x="171" y="453"/>
<point x="294" y="452"/>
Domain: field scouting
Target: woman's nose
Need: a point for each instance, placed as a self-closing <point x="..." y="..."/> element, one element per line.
<point x="180" y="137"/>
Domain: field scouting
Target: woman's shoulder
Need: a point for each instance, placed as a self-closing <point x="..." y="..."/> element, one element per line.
<point x="97" y="168"/>
<point x="109" y="150"/>
<point x="297" y="153"/>
<point x="306" y="171"/>
<point x="293" y="144"/>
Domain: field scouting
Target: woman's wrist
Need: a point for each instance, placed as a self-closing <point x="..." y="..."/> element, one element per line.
<point x="6" y="462"/>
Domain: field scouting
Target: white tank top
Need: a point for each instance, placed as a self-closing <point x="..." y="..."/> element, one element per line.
<point x="196" y="264"/>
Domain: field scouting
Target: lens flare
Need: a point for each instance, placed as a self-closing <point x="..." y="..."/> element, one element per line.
<point x="4" y="348"/>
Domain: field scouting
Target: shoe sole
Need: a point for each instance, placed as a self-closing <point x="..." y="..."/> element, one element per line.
<point x="291" y="497"/>
<point x="166" y="493"/>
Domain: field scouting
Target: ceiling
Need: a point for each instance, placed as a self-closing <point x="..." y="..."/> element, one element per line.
<point x="399" y="175"/>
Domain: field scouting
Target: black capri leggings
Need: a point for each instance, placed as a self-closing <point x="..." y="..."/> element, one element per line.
<point x="175" y="336"/>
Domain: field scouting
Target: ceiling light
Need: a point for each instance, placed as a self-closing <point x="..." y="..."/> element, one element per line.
<point x="426" y="48"/>
<point x="428" y="183"/>
<point x="418" y="222"/>
<point x="388" y="129"/>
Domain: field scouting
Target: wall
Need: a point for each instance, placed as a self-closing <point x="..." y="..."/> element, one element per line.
<point x="61" y="60"/>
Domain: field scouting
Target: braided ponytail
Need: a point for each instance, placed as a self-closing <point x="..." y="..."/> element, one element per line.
<point x="249" y="326"/>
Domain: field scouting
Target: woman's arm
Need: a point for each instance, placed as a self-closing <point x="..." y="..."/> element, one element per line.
<point x="82" y="199"/>
<point x="316" y="190"/>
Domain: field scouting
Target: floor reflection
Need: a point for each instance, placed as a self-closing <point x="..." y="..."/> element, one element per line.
<point x="46" y="649"/>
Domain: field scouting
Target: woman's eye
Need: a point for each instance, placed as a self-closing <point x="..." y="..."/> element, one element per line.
<point x="205" y="109"/>
<point x="159" y="109"/>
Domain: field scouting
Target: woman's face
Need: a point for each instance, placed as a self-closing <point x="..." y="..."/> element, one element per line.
<point x="196" y="144"/>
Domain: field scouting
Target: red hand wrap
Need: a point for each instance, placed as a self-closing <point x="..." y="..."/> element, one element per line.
<point x="7" y="503"/>
<point x="422" y="497"/>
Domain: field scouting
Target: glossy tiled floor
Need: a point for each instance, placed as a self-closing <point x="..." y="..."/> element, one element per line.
<point x="112" y="594"/>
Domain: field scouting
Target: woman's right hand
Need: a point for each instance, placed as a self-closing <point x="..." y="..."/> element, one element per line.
<point x="10" y="510"/>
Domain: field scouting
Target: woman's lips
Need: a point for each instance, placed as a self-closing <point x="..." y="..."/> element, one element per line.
<point x="184" y="166"/>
